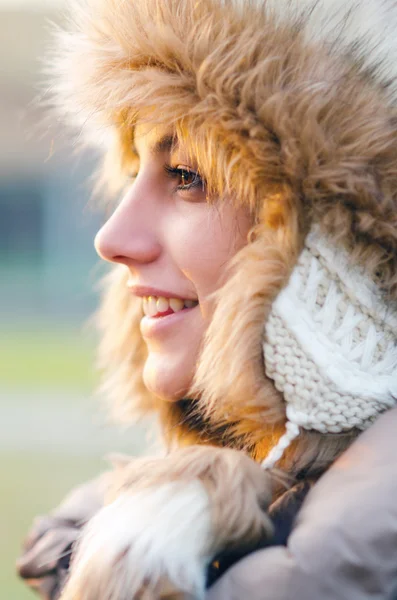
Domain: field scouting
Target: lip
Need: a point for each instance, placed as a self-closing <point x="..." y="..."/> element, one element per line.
<point x="154" y="326"/>
<point x="143" y="291"/>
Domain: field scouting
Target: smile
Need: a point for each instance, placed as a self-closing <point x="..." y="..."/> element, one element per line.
<point x="159" y="306"/>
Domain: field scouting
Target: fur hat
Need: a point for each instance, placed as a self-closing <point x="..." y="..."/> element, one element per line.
<point x="289" y="107"/>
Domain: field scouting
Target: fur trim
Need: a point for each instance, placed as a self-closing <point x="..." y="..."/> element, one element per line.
<point x="166" y="521"/>
<point x="290" y="108"/>
<point x="135" y="543"/>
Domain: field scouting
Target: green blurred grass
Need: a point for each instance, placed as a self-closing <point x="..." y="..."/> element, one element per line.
<point x="32" y="484"/>
<point x="46" y="358"/>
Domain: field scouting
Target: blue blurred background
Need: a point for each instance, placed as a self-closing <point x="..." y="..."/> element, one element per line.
<point x="52" y="433"/>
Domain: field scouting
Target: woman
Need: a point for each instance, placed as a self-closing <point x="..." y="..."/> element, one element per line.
<point x="253" y="300"/>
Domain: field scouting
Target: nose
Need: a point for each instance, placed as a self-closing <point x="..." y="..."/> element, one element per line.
<point x="129" y="236"/>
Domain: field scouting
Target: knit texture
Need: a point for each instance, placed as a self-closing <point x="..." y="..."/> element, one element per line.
<point x="330" y="345"/>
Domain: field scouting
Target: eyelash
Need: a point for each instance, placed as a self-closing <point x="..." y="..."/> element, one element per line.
<point x="180" y="173"/>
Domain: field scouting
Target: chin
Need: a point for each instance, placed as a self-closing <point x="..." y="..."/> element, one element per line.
<point x="166" y="379"/>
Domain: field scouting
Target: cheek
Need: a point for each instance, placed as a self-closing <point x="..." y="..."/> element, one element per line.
<point x="207" y="246"/>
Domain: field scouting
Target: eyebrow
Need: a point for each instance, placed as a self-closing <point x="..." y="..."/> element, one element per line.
<point x="168" y="143"/>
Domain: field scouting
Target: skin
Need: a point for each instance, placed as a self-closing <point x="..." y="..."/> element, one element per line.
<point x="171" y="239"/>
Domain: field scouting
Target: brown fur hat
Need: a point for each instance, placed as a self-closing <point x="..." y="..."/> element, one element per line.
<point x="290" y="108"/>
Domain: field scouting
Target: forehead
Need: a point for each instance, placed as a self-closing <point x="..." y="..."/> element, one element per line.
<point x="154" y="139"/>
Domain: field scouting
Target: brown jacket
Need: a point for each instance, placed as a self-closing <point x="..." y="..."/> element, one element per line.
<point x="344" y="543"/>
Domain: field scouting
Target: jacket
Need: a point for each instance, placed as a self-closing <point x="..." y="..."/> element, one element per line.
<point x="343" y="545"/>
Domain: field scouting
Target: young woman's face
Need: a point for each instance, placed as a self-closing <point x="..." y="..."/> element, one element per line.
<point x="175" y="246"/>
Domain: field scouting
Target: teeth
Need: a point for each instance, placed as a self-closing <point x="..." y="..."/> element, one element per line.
<point x="152" y="305"/>
<point x="162" y="305"/>
<point x="176" y="304"/>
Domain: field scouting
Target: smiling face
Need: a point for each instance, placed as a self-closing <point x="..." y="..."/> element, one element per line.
<point x="175" y="245"/>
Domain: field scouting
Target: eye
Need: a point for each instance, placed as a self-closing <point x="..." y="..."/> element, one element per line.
<point x="185" y="178"/>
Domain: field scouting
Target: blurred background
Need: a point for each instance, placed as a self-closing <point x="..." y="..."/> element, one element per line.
<point x="52" y="433"/>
